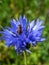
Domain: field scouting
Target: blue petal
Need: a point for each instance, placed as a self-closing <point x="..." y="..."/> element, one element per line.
<point x="42" y="39"/>
<point x="14" y="25"/>
<point x="28" y="51"/>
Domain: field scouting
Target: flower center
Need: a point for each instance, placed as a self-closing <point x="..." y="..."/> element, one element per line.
<point x="19" y="31"/>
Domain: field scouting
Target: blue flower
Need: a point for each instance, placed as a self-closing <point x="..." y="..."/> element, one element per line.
<point x="22" y="33"/>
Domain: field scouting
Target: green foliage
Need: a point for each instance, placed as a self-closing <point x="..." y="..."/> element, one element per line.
<point x="33" y="9"/>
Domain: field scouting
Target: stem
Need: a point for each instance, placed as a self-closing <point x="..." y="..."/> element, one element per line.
<point x="24" y="58"/>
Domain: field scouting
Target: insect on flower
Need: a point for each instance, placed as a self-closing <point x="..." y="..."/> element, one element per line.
<point x="22" y="33"/>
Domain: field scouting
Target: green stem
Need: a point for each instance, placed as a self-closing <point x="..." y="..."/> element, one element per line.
<point x="25" y="59"/>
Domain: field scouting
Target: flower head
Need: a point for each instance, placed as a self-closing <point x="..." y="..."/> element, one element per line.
<point x="22" y="33"/>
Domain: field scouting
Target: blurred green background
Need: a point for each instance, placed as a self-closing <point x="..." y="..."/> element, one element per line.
<point x="33" y="9"/>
